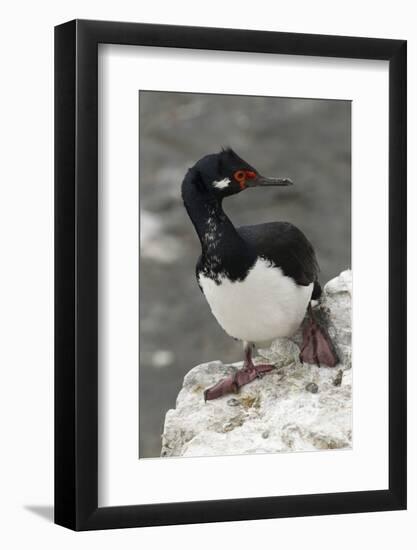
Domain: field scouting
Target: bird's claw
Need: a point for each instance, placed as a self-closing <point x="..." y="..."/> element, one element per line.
<point x="235" y="381"/>
<point x="223" y="387"/>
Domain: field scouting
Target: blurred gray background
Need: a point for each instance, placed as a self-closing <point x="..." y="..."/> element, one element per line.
<point x="308" y="140"/>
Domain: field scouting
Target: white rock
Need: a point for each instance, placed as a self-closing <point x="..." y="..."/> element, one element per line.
<point x="276" y="413"/>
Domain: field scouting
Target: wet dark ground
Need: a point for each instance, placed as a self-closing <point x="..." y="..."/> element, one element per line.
<point x="306" y="140"/>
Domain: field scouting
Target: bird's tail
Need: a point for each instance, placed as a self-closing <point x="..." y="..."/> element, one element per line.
<point x="317" y="291"/>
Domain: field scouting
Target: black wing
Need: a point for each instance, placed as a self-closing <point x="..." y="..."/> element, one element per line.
<point x="286" y="247"/>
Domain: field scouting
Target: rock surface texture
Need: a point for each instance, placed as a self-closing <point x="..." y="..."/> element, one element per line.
<point x="295" y="408"/>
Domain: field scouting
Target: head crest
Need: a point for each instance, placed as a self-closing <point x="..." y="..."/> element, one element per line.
<point x="227" y="155"/>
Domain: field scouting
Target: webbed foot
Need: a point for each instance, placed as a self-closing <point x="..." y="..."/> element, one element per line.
<point x="234" y="382"/>
<point x="317" y="346"/>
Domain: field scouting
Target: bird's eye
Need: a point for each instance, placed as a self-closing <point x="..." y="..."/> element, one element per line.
<point x="239" y="176"/>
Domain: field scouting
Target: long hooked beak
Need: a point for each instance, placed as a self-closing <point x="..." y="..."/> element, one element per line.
<point x="262" y="181"/>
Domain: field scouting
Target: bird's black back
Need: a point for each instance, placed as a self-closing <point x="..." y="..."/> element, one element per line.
<point x="285" y="246"/>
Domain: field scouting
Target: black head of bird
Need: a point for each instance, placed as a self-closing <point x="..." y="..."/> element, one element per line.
<point x="224" y="174"/>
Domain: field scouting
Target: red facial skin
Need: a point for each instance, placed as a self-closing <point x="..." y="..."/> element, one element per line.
<point x="242" y="175"/>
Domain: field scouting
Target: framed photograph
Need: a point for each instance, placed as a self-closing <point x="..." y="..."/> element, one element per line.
<point x="230" y="285"/>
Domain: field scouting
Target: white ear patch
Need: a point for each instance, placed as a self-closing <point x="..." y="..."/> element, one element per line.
<point x="222" y="183"/>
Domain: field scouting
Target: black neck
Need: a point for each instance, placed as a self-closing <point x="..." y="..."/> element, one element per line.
<point x="223" y="250"/>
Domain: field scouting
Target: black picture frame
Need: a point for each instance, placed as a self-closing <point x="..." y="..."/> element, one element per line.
<point x="76" y="272"/>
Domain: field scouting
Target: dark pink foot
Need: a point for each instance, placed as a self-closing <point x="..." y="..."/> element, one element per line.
<point x="232" y="383"/>
<point x="317" y="347"/>
<point x="223" y="387"/>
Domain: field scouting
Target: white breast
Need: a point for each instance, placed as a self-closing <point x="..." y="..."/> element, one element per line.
<point x="264" y="306"/>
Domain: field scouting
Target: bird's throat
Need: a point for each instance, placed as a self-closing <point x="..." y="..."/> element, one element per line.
<point x="209" y="219"/>
<point x="221" y="245"/>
